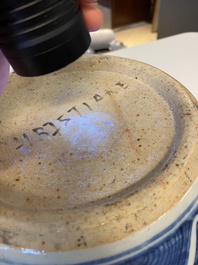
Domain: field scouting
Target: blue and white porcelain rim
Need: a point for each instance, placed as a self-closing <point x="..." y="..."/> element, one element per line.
<point x="116" y="251"/>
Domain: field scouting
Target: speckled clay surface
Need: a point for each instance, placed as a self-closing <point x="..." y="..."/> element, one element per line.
<point x="93" y="153"/>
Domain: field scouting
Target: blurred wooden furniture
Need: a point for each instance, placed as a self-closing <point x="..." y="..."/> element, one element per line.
<point x="155" y="15"/>
<point x="128" y="11"/>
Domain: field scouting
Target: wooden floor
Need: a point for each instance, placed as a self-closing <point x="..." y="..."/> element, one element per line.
<point x="135" y="34"/>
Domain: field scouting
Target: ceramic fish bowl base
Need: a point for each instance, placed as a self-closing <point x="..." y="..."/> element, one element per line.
<point x="98" y="166"/>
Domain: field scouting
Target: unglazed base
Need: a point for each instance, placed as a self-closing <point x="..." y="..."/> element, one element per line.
<point x="93" y="153"/>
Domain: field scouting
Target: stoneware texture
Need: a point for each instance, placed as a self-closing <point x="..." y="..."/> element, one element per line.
<point x="98" y="165"/>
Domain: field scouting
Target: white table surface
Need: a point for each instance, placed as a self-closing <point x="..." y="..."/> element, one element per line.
<point x="176" y="55"/>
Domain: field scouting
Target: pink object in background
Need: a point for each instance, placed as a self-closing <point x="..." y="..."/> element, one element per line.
<point x="4" y="72"/>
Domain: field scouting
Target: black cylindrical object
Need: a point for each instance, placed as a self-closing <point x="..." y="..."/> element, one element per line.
<point x="41" y="36"/>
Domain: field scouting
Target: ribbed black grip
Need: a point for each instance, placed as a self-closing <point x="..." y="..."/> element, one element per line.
<point x="41" y="36"/>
